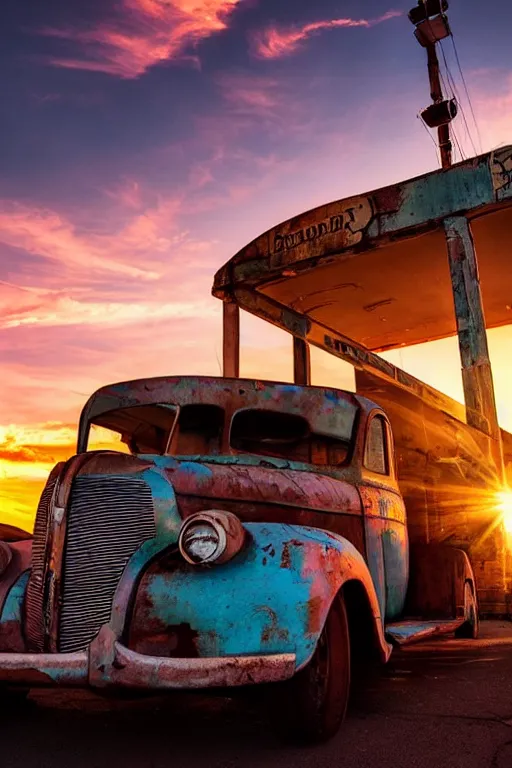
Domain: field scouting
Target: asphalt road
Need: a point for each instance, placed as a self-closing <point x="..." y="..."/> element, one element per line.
<point x="443" y="704"/>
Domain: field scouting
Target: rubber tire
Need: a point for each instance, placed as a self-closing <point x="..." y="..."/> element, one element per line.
<point x="316" y="699"/>
<point x="469" y="630"/>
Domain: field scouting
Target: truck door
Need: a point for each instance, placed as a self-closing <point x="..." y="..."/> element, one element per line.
<point x="384" y="518"/>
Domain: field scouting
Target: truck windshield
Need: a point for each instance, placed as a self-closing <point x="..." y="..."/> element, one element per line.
<point x="160" y="429"/>
<point x="140" y="429"/>
<point x="285" y="435"/>
<point x="198" y="429"/>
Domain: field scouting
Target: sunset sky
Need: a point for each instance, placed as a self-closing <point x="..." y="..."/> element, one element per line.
<point x="143" y="142"/>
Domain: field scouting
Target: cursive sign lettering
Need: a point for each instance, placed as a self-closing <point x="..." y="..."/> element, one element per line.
<point x="350" y="222"/>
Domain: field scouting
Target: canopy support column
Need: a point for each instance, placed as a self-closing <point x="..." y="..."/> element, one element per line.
<point x="469" y="312"/>
<point x="231" y="340"/>
<point x="301" y="362"/>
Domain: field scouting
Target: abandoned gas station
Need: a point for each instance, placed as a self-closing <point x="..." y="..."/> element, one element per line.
<point x="413" y="262"/>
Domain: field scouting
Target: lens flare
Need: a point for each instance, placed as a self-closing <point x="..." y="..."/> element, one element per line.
<point x="505" y="507"/>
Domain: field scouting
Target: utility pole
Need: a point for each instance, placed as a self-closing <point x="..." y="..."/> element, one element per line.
<point x="431" y="24"/>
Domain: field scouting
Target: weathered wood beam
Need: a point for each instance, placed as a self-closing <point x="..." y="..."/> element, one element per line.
<point x="301" y="362"/>
<point x="469" y="312"/>
<point x="231" y="340"/>
<point x="342" y="347"/>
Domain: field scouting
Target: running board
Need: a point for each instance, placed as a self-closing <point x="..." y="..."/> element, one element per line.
<point x="414" y="630"/>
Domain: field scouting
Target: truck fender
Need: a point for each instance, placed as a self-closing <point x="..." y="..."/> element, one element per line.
<point x="273" y="597"/>
<point x="437" y="582"/>
<point x="13" y="583"/>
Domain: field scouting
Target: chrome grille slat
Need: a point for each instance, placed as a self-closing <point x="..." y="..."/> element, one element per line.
<point x="34" y="608"/>
<point x="108" y="520"/>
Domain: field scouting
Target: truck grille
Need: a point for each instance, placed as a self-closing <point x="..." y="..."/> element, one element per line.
<point x="108" y="520"/>
<point x="34" y="605"/>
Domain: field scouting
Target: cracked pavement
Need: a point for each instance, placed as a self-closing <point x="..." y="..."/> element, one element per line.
<point x="446" y="703"/>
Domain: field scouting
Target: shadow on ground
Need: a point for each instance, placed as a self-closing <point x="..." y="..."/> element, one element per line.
<point x="447" y="703"/>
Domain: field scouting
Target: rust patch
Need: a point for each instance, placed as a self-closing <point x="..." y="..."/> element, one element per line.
<point x="272" y="632"/>
<point x="11" y="638"/>
<point x="285" y="557"/>
<point x="32" y="676"/>
<point x="177" y="641"/>
<point x="389" y="199"/>
<point x="315" y="605"/>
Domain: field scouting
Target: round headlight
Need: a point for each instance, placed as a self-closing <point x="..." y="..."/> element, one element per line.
<point x="202" y="542"/>
<point x="212" y="536"/>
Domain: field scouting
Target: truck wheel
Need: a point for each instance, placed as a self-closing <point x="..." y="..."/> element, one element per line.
<point x="469" y="630"/>
<point x="317" y="697"/>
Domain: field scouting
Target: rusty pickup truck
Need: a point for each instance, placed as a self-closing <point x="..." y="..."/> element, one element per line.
<point x="243" y="532"/>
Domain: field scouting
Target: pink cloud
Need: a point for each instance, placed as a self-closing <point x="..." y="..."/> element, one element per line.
<point x="146" y="33"/>
<point x="277" y="106"/>
<point x="274" y="42"/>
<point x="127" y="193"/>
<point x="250" y="93"/>
<point x="490" y="91"/>
<point x="492" y="97"/>
<point x="45" y="233"/>
<point x="154" y="257"/>
<point x="142" y="247"/>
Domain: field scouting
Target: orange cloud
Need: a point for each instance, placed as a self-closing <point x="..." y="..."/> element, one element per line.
<point x="274" y="42"/>
<point x="146" y="33"/>
<point x="149" y="247"/>
<point x="27" y="455"/>
<point x="45" y="444"/>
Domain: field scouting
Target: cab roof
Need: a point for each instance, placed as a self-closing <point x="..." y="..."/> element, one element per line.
<point x="329" y="411"/>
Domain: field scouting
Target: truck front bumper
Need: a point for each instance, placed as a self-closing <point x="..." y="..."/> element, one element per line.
<point x="108" y="664"/>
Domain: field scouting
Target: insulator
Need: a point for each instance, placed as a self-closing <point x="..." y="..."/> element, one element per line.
<point x="440" y="113"/>
<point x="431" y="31"/>
<point x="426" y="9"/>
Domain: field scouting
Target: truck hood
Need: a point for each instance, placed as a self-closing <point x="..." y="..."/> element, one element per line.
<point x="262" y="482"/>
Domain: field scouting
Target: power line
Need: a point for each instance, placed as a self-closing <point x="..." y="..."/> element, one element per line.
<point x="450" y="88"/>
<point x="446" y="90"/>
<point x="456" y="95"/>
<point x="466" y="91"/>
<point x="458" y="144"/>
<point x="430" y="136"/>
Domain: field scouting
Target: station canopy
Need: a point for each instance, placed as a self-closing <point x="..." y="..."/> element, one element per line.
<point x="374" y="267"/>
